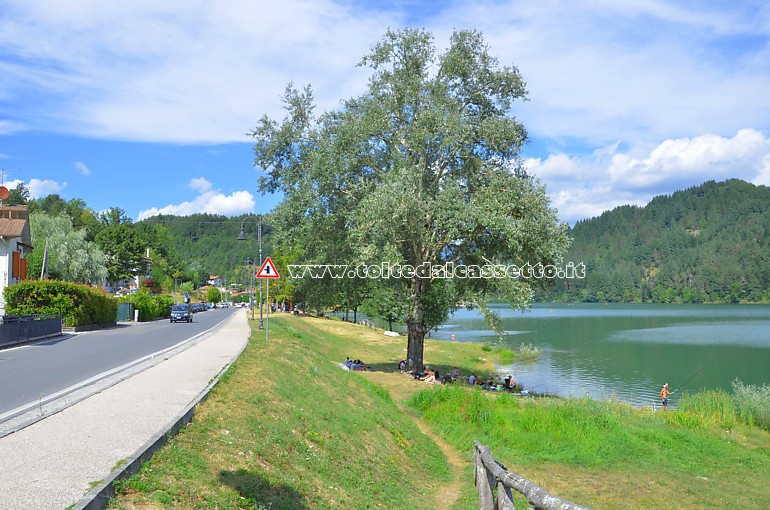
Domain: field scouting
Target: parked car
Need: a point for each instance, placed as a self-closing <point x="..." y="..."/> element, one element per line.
<point x="181" y="313"/>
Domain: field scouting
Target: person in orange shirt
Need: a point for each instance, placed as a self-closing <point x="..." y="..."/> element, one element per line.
<point x="664" y="393"/>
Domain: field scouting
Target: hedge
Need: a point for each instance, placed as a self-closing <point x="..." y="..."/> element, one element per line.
<point x="78" y="304"/>
<point x="150" y="306"/>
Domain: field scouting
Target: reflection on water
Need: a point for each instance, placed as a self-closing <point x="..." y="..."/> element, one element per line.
<point x="628" y="351"/>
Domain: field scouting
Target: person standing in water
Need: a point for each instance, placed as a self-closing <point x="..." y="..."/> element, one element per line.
<point x="664" y="393"/>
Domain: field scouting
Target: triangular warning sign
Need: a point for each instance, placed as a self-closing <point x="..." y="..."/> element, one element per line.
<point x="268" y="270"/>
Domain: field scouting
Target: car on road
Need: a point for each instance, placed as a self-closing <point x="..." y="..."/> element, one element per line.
<point x="181" y="313"/>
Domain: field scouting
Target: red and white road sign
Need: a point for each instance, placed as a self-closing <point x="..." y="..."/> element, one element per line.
<point x="268" y="270"/>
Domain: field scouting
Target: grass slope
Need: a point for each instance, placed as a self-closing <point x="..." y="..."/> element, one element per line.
<point x="288" y="429"/>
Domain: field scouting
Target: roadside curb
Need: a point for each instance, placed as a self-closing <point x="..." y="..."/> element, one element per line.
<point x="99" y="497"/>
<point x="27" y="415"/>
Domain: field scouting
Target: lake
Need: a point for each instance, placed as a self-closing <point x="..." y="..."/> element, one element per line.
<point x="628" y="351"/>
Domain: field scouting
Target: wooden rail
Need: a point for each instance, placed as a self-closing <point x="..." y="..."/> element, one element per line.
<point x="491" y="475"/>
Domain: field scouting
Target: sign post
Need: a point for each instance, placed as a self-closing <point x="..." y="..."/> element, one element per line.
<point x="268" y="271"/>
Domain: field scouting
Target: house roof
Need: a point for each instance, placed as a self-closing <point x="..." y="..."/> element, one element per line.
<point x="14" y="222"/>
<point x="12" y="227"/>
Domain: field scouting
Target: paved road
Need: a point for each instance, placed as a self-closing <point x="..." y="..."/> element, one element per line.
<point x="53" y="463"/>
<point x="31" y="373"/>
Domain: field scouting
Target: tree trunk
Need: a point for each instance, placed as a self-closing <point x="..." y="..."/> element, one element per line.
<point x="415" y="324"/>
<point x="415" y="344"/>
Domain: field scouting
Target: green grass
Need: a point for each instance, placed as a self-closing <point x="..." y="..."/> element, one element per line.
<point x="287" y="429"/>
<point x="625" y="457"/>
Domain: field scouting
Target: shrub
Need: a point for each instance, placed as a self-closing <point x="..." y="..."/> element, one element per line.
<point x="78" y="304"/>
<point x="528" y="352"/>
<point x="150" y="306"/>
<point x="753" y="403"/>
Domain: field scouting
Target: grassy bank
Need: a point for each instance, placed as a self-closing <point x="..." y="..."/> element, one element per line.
<point x="289" y="429"/>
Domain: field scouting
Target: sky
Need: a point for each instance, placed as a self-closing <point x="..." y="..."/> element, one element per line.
<point x="147" y="105"/>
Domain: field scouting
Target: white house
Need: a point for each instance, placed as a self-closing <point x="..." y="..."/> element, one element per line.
<point x="15" y="242"/>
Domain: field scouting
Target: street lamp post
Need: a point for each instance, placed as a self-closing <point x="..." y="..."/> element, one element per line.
<point x="242" y="237"/>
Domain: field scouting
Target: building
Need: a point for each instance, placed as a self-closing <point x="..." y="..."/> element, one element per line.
<point x="15" y="244"/>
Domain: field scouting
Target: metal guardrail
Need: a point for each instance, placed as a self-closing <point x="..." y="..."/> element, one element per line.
<point x="24" y="328"/>
<point x="491" y="475"/>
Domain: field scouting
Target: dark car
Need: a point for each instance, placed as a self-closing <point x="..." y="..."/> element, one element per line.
<point x="181" y="312"/>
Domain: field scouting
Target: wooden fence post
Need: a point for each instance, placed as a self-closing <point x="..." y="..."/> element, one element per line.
<point x="484" y="484"/>
<point x="504" y="497"/>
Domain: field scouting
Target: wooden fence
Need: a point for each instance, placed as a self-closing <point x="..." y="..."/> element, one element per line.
<point x="491" y="475"/>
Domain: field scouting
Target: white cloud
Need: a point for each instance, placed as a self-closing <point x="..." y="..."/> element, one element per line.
<point x="640" y="71"/>
<point x="217" y="68"/>
<point x="200" y="184"/>
<point x="581" y="187"/>
<point x="208" y="201"/>
<point x="82" y="167"/>
<point x="677" y="162"/>
<point x="38" y="188"/>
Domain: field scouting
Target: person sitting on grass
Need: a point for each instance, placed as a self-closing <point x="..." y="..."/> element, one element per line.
<point x="472" y="379"/>
<point x="422" y="373"/>
<point x="431" y="377"/>
<point x="509" y="384"/>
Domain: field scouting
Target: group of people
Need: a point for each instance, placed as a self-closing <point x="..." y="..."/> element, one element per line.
<point x="355" y="364"/>
<point x="433" y="376"/>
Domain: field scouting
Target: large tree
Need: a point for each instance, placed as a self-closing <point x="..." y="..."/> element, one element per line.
<point x="71" y="256"/>
<point x="125" y="251"/>
<point x="421" y="170"/>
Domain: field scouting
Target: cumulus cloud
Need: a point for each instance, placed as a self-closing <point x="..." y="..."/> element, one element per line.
<point x="675" y="163"/>
<point x="585" y="186"/>
<point x="208" y="201"/>
<point x="83" y="168"/>
<point x="38" y="188"/>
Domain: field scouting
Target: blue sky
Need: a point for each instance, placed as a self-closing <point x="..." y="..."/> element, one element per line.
<point x="145" y="105"/>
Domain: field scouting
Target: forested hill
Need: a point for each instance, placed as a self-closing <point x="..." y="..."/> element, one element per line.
<point x="207" y="243"/>
<point x="709" y="243"/>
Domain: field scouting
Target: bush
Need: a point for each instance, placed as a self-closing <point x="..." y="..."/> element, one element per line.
<point x="78" y="304"/>
<point x="753" y="403"/>
<point x="150" y="306"/>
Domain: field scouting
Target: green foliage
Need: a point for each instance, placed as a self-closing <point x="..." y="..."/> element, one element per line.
<point x="150" y="306"/>
<point x="708" y="243"/>
<point x="18" y="195"/>
<point x="213" y="295"/>
<point x="125" y="251"/>
<point x="71" y="256"/>
<point x="753" y="403"/>
<point x="79" y="305"/>
<point x="420" y="170"/>
<point x="528" y="352"/>
<point x="82" y="216"/>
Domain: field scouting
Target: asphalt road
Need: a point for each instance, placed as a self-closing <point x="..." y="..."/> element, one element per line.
<point x="30" y="373"/>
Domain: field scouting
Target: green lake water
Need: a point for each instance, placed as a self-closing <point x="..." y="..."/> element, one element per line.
<point x="628" y="351"/>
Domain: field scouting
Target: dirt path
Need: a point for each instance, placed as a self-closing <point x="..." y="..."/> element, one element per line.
<point x="401" y="387"/>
